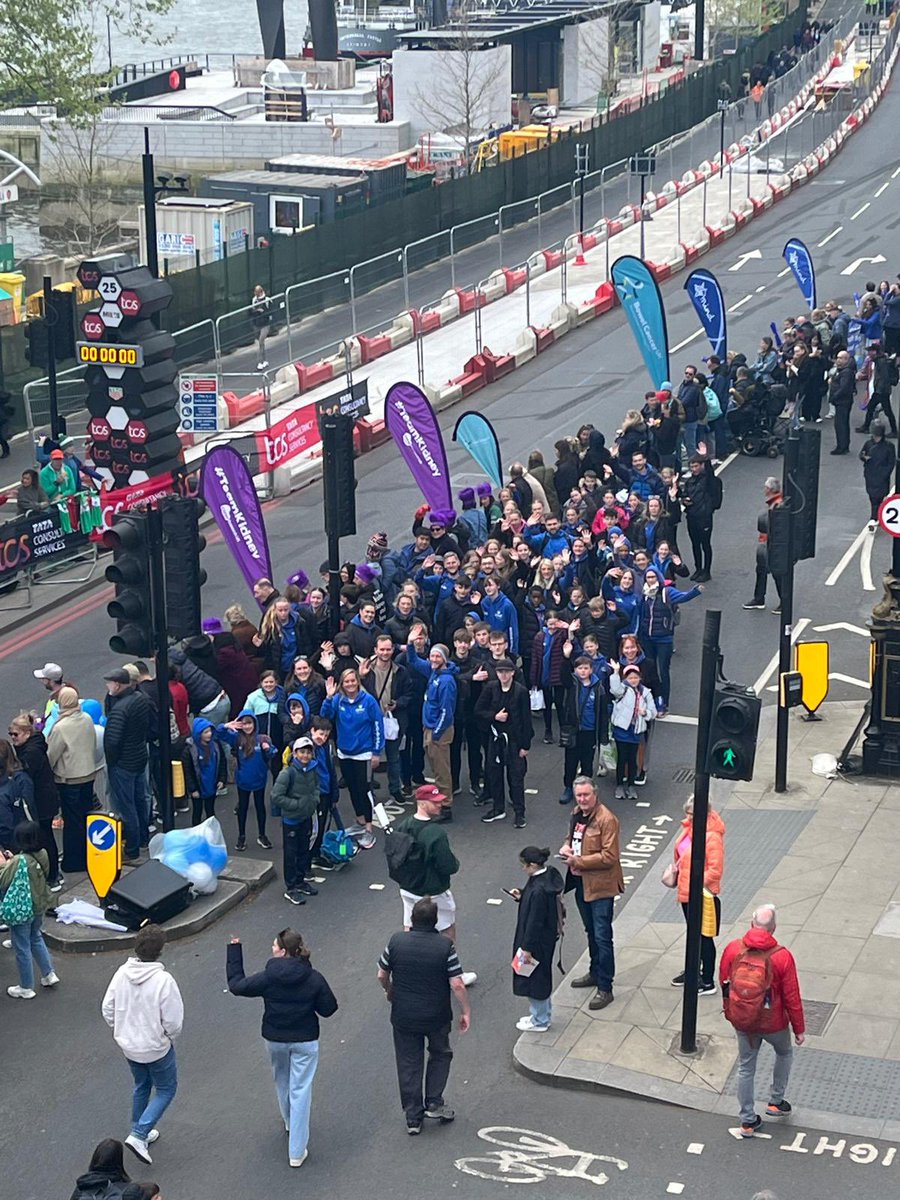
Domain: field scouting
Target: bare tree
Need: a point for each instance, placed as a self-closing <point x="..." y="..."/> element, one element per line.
<point x="461" y="101"/>
<point x="77" y="154"/>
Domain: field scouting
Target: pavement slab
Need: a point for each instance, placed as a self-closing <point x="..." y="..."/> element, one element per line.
<point x="812" y="860"/>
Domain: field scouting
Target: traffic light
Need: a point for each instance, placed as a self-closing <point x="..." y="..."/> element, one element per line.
<point x="185" y="577"/>
<point x="731" y="748"/>
<point x="806" y="493"/>
<point x="340" y="477"/>
<point x="129" y="572"/>
<point x="61" y="315"/>
<point x="37" y="350"/>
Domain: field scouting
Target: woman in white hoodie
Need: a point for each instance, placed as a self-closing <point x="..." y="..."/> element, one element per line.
<point x="144" y="1009"/>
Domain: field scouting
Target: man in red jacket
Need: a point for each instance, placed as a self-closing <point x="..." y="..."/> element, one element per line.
<point x="762" y="1001"/>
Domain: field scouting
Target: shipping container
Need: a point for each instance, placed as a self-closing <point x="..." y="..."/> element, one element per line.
<point x="286" y="201"/>
<point x="198" y="228"/>
<point x="386" y="176"/>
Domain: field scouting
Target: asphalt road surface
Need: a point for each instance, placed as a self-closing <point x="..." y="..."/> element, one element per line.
<point x="64" y="1082"/>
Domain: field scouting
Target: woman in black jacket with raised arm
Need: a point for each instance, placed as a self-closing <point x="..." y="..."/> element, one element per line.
<point x="295" y="996"/>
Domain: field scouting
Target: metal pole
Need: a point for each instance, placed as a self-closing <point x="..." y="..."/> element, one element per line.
<point x="708" y="667"/>
<point x="643" y="193"/>
<point x="699" y="24"/>
<point x="329" y="436"/>
<point x="405" y="263"/>
<point x="161" y="645"/>
<point x="50" y="324"/>
<point x="149" y="207"/>
<point x="452" y="262"/>
<point x="791" y="457"/>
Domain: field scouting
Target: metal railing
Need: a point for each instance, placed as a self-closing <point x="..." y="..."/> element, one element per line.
<point x="143" y="114"/>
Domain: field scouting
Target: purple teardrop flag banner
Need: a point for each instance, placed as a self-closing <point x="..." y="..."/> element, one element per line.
<point x="412" y="424"/>
<point x="227" y="487"/>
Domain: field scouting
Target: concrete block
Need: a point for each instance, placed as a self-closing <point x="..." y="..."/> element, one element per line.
<point x="526" y="347"/>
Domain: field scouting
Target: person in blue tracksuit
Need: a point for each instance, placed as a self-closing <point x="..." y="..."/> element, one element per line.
<point x="359" y="733"/>
<point x="500" y="613"/>
<point x="656" y="626"/>
<point x="621" y="591"/>
<point x="547" y="538"/>
<point x="204" y="769"/>
<point x="438" y="714"/>
<point x="320" y="730"/>
<point x="253" y="752"/>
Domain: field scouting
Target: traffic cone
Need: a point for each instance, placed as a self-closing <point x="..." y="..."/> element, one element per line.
<point x="579" y="257"/>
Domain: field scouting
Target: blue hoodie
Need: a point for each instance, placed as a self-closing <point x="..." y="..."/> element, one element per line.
<point x="325" y="768"/>
<point x="440" y="693"/>
<point x="500" y="613"/>
<point x="206" y="762"/>
<point x="358" y="724"/>
<point x="546" y="544"/>
<point x="252" y="769"/>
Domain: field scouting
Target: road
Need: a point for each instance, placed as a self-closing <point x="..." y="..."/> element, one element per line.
<point x="222" y="1135"/>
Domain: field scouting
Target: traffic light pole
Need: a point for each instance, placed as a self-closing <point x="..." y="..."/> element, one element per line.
<point x="150" y="209"/>
<point x="329" y="479"/>
<point x="161" y="647"/>
<point x="709" y="663"/>
<point x="788" y="490"/>
<point x="50" y="322"/>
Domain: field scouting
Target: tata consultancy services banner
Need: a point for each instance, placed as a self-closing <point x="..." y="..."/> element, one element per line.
<point x="292" y="435"/>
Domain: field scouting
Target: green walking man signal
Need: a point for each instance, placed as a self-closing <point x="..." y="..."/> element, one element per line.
<point x="728" y="758"/>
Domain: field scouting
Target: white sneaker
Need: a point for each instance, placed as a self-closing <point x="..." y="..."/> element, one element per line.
<point x="7" y="943"/>
<point x="527" y="1025"/>
<point x="50" y="980"/>
<point x="468" y="978"/>
<point x="138" y="1147"/>
<point x="152" y="1136"/>
<point x="20" y="993"/>
<point x="367" y="840"/>
<point x="298" y="1162"/>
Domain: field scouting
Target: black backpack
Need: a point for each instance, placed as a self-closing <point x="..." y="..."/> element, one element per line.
<point x="405" y="858"/>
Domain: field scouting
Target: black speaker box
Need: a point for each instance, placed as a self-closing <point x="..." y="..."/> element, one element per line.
<point x="150" y="893"/>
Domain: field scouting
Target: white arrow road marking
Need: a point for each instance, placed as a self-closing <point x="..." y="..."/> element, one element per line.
<point x="98" y="834"/>
<point x="736" y="1133"/>
<point x="865" y="565"/>
<point x="661" y="819"/>
<point x="833" y="234"/>
<point x="773" y="661"/>
<point x="841" y="625"/>
<point x="858" y="262"/>
<point x="744" y="258"/>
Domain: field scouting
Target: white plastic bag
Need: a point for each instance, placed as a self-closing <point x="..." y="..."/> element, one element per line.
<point x="824" y="765"/>
<point x="536" y="697"/>
<point x="391" y="727"/>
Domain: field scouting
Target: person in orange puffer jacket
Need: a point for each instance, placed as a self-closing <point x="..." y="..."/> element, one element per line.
<point x="712" y="881"/>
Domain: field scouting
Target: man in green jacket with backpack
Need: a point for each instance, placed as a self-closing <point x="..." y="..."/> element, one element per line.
<point x="420" y="860"/>
<point x="296" y="791"/>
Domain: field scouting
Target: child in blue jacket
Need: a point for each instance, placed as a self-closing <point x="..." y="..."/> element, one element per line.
<point x="204" y="768"/>
<point x="252" y="752"/>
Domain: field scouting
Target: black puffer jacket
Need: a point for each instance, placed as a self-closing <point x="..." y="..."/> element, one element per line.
<point x="202" y="688"/>
<point x="127" y="730"/>
<point x="33" y="757"/>
<point x="294" y="994"/>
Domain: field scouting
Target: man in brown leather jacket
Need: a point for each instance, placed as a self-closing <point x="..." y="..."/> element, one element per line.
<point x="591" y="852"/>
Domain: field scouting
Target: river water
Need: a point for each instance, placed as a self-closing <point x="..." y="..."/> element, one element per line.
<point x="223" y="27"/>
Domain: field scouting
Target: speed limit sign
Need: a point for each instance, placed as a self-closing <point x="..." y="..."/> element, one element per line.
<point x="889" y="515"/>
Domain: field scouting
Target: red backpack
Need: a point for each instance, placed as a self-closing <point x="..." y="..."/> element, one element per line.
<point x="748" y="995"/>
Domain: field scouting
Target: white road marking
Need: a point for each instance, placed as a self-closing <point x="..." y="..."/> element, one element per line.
<point x="862" y="683"/>
<point x="492" y="900"/>
<point x="895" y="173"/>
<point x="847" y="557"/>
<point x="662" y="819"/>
<point x="673" y="719"/>
<point x="841" y="625"/>
<point x="865" y="565"/>
<point x="858" y="262"/>
<point x="741" y="302"/>
<point x="736" y="1133"/>
<point x="529" y="1157"/>
<point x="695" y="1148"/>
<point x="833" y="234"/>
<point x="376" y="887"/>
<point x="781" y="274"/>
<point x="674" y="1189"/>
<point x="883" y="187"/>
<point x="772" y="665"/>
<point x="730" y="459"/>
<point x="744" y="258"/>
<point x="761" y="288"/>
<point x="687" y="341"/>
<point x="642" y="804"/>
<point x="859" y="212"/>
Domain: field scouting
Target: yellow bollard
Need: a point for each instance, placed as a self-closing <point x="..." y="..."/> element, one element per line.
<point x="177" y="780"/>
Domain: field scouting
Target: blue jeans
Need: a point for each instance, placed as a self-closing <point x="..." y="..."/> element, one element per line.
<point x="660" y="654"/>
<point x="294" y="1069"/>
<point x="128" y="798"/>
<point x="718" y="430"/>
<point x="28" y="940"/>
<point x="689" y="436"/>
<point x="161" y="1077"/>
<point x="748" y="1049"/>
<point x="597" y="916"/>
<point x="540" y="1011"/>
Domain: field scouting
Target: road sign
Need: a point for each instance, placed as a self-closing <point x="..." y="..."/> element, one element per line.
<point x="198" y="403"/>
<point x="104" y="851"/>
<point x="811" y="660"/>
<point x="109" y="288"/>
<point x="7" y="256"/>
<point x="8" y="193"/>
<point x="889" y="515"/>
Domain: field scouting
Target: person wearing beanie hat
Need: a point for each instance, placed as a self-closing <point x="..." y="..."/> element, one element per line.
<point x="376" y="547"/>
<point x="473" y="517"/>
<point x="299" y="579"/>
<point x="438" y="529"/>
<point x="503" y="708"/>
<point x="212" y="626"/>
<point x="438" y="713"/>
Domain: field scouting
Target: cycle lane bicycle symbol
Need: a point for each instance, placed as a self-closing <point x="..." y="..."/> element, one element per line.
<point x="528" y="1156"/>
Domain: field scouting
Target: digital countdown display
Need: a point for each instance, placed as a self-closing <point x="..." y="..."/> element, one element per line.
<point x="108" y="354"/>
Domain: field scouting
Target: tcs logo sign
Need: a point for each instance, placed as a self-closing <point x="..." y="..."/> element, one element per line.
<point x="15" y="552"/>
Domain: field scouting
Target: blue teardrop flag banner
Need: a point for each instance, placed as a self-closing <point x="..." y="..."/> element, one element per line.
<point x="476" y="434"/>
<point x="799" y="259"/>
<point x="709" y="304"/>
<point x="640" y="298"/>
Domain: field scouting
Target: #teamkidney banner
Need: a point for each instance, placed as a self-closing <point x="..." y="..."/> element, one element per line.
<point x="709" y="304"/>
<point x="412" y="424"/>
<point x="799" y="259"/>
<point x="227" y="487"/>
<point x="640" y="298"/>
<point x="476" y="434"/>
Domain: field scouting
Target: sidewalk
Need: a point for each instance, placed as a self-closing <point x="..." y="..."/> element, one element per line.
<point x="825" y="854"/>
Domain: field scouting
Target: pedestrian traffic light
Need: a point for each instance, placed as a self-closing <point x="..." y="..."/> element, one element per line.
<point x="182" y="547"/>
<point x="60" y="315"/>
<point x="339" y="475"/>
<point x="806" y="493"/>
<point x="37" y="348"/>
<point x="129" y="572"/>
<point x="731" y="748"/>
